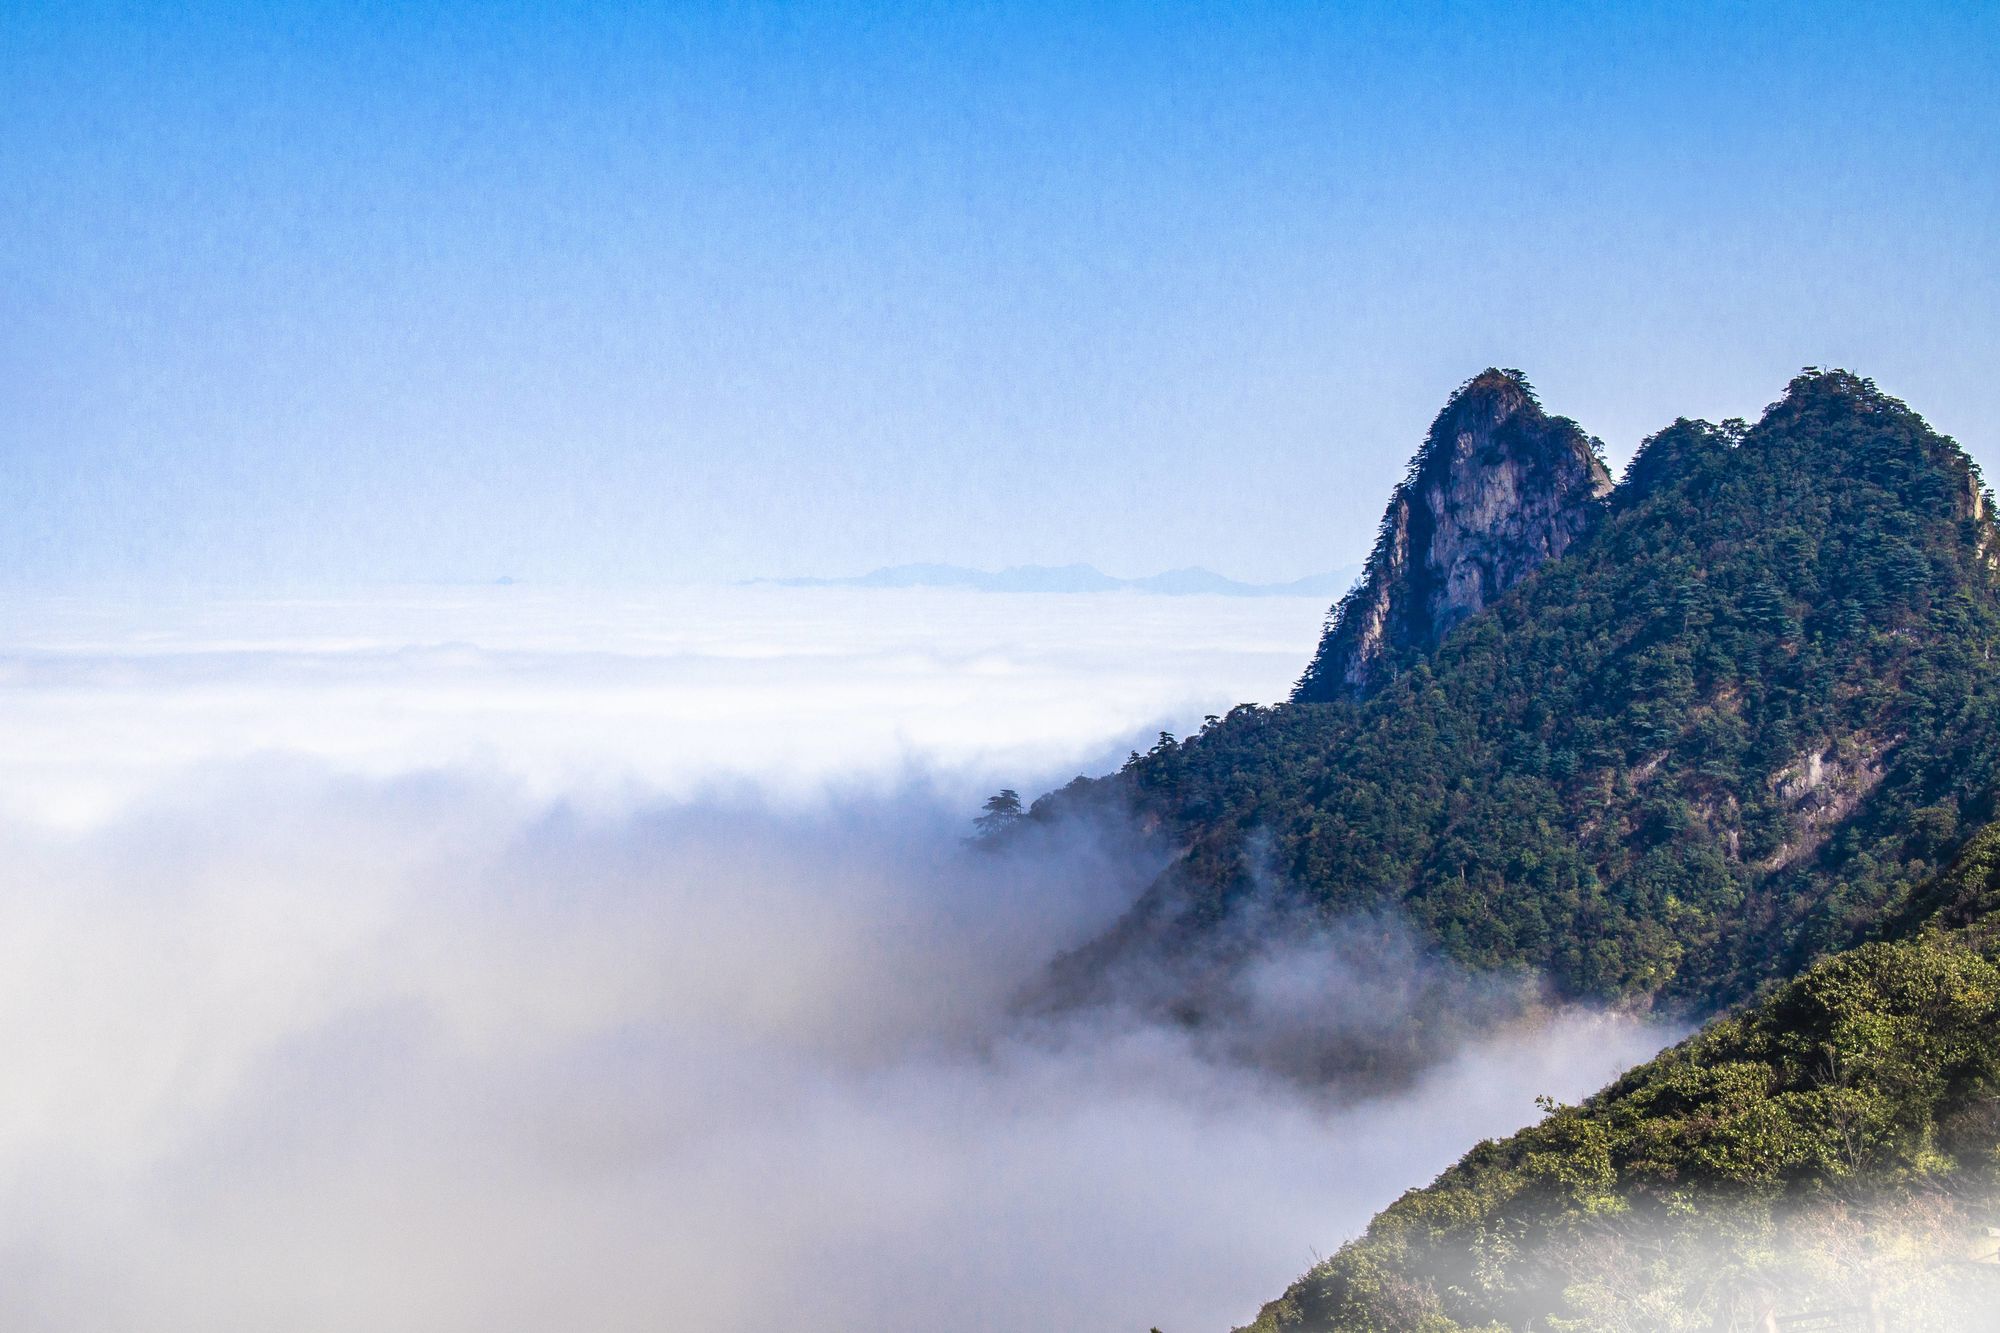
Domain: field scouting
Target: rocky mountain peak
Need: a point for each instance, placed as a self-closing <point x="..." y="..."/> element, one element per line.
<point x="1487" y="399"/>
<point x="1498" y="488"/>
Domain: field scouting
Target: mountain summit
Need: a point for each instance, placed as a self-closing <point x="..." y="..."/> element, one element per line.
<point x="1715" y="740"/>
<point x="1498" y="488"/>
<point x="1666" y="745"/>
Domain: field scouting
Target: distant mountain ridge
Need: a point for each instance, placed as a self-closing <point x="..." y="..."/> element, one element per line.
<point x="1191" y="581"/>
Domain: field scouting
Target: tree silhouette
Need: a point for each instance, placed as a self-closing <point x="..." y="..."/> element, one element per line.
<point x="1002" y="809"/>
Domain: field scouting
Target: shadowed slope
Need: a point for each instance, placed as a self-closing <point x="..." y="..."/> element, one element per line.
<point x="1838" y="1145"/>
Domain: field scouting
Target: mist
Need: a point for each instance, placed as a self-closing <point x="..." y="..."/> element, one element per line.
<point x="414" y="1036"/>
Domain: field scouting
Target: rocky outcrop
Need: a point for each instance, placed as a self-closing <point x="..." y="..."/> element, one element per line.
<point x="1498" y="488"/>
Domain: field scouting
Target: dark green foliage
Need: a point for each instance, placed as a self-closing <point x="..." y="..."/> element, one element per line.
<point x="1725" y="734"/>
<point x="1844" y="1133"/>
<point x="1714" y="754"/>
<point x="1002" y="809"/>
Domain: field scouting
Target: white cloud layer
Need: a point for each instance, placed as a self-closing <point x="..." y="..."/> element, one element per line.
<point x="603" y="696"/>
<point x="390" y="1037"/>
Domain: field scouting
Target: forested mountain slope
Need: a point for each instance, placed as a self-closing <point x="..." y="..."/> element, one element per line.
<point x="1722" y="727"/>
<point x="1833" y="1150"/>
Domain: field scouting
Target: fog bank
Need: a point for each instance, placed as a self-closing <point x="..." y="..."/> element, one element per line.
<point x="615" y="698"/>
<point x="318" y="1054"/>
<point x="300" y="1041"/>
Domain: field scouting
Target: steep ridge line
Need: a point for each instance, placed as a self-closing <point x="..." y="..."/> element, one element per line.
<point x="1498" y="488"/>
<point x="1603" y="775"/>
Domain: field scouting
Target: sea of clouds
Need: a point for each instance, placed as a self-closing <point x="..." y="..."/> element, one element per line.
<point x="498" y="959"/>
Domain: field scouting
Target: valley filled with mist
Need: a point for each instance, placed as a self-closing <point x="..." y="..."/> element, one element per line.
<point x="508" y="959"/>
<point x="726" y="668"/>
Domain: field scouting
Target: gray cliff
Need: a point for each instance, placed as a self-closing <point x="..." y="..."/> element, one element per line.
<point x="1498" y="488"/>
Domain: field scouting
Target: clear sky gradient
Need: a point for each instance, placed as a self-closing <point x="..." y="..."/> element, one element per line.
<point x="619" y="294"/>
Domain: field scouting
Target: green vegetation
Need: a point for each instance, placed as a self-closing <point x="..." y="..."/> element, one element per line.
<point x="1002" y="809"/>
<point x="1729" y="732"/>
<point x="1836" y="1145"/>
<point x="1713" y="756"/>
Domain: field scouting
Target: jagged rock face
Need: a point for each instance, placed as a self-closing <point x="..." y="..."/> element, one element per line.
<point x="1498" y="488"/>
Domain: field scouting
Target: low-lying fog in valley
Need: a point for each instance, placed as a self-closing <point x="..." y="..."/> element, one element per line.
<point x="494" y="959"/>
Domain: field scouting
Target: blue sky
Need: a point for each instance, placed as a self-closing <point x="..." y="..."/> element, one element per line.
<point x="596" y="294"/>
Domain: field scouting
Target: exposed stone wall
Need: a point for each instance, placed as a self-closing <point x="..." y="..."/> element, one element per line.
<point x="1498" y="488"/>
